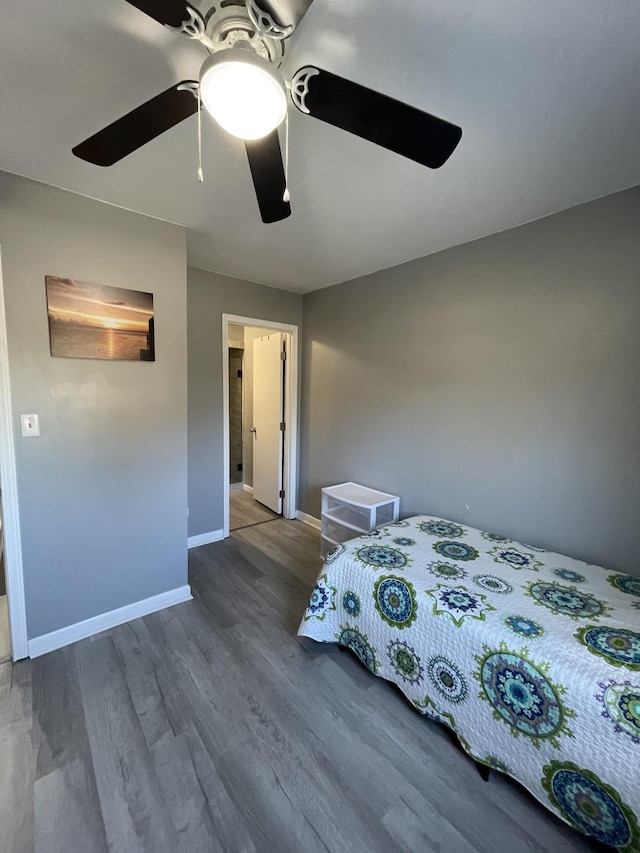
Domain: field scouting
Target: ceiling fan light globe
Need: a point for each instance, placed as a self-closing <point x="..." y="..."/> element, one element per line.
<point x="243" y="94"/>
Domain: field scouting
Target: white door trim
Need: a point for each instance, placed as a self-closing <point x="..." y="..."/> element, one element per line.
<point x="290" y="412"/>
<point x="11" y="512"/>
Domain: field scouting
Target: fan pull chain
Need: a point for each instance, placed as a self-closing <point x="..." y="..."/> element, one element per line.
<point x="200" y="175"/>
<point x="286" y="195"/>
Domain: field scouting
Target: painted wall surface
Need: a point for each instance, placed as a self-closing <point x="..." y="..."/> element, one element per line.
<point x="103" y="490"/>
<point x="209" y="296"/>
<point x="496" y="383"/>
<point x="236" y="336"/>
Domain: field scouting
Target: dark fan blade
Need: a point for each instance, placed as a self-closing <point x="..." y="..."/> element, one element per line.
<point x="139" y="126"/>
<point x="169" y="12"/>
<point x="267" y="171"/>
<point x="285" y="14"/>
<point x="406" y="130"/>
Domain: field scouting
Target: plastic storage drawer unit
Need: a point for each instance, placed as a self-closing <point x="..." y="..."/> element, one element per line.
<point x="349" y="510"/>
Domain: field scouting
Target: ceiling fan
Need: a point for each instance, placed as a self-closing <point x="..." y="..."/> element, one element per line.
<point x="241" y="86"/>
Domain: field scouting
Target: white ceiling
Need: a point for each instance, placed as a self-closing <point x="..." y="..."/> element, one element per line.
<point x="547" y="95"/>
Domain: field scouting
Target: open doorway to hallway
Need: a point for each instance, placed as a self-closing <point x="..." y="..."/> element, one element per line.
<point x="260" y="419"/>
<point x="245" y="511"/>
<point x="257" y="396"/>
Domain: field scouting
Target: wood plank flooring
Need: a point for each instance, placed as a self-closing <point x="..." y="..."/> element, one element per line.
<point x="5" y="638"/>
<point x="244" y="511"/>
<point x="211" y="727"/>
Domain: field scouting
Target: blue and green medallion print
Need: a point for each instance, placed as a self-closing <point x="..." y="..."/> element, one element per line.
<point x="358" y="642"/>
<point x="382" y="557"/>
<point x="447" y="679"/>
<point x="431" y="711"/>
<point x="625" y="583"/>
<point x="591" y="806"/>
<point x="322" y="599"/>
<point x="375" y="534"/>
<point x="618" y="646"/>
<point x="621" y="705"/>
<point x="524" y="627"/>
<point x="456" y="550"/>
<point x="496" y="763"/>
<point x="458" y="603"/>
<point x="405" y="662"/>
<point x="448" y="571"/>
<point x="404" y="541"/>
<point x="395" y="601"/>
<point x="442" y="528"/>
<point x="569" y="575"/>
<point x="351" y="603"/>
<point x="334" y="552"/>
<point x="494" y="537"/>
<point x="567" y="600"/>
<point x="492" y="583"/>
<point x="523" y="696"/>
<point x="514" y="558"/>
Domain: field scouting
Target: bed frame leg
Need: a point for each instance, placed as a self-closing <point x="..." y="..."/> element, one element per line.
<point x="483" y="770"/>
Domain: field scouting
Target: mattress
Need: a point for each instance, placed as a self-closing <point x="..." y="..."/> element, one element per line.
<point x="532" y="658"/>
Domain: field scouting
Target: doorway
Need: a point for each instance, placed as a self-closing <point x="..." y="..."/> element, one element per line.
<point x="256" y="416"/>
<point x="237" y="467"/>
<point x="260" y="366"/>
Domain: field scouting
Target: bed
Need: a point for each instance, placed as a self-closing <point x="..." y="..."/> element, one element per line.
<point x="530" y="657"/>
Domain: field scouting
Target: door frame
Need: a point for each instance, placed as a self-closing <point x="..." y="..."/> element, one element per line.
<point x="14" y="576"/>
<point x="290" y="448"/>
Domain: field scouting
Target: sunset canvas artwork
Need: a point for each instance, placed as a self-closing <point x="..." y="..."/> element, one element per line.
<point x="95" y="321"/>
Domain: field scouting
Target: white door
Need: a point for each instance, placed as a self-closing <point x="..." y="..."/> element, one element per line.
<point x="268" y="414"/>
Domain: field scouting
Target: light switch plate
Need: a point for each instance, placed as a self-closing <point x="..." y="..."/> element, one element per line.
<point x="30" y="425"/>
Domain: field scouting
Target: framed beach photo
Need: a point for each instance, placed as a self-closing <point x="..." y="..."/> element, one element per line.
<point x="96" y="321"/>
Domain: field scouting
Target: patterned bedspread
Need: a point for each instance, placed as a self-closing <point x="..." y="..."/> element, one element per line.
<point x="531" y="657"/>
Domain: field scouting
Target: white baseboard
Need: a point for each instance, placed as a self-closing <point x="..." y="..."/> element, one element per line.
<point x="248" y="488"/>
<point x="88" y="627"/>
<point x="236" y="487"/>
<point x="311" y="520"/>
<point x="205" y="538"/>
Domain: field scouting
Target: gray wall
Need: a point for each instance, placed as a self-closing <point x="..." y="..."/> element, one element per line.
<point x="103" y="490"/>
<point x="209" y="296"/>
<point x="502" y="376"/>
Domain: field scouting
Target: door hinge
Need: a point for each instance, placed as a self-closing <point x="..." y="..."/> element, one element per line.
<point x="239" y="374"/>
<point x="283" y="426"/>
<point x="281" y="493"/>
<point x="283" y="355"/>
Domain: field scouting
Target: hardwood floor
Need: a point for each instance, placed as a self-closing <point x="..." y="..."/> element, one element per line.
<point x="245" y="511"/>
<point x="5" y="639"/>
<point x="211" y="727"/>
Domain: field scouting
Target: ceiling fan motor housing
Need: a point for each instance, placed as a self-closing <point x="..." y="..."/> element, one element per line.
<point x="230" y="25"/>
